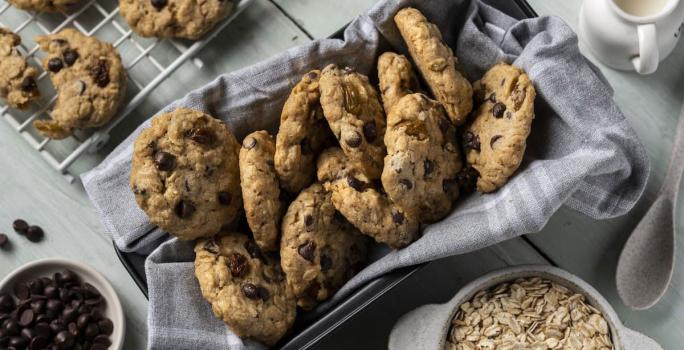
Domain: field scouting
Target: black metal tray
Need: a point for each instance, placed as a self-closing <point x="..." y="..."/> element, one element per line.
<point x="309" y="329"/>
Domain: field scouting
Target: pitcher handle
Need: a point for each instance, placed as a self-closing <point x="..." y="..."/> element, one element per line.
<point x="647" y="61"/>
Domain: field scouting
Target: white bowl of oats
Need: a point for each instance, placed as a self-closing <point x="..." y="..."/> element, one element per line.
<point x="523" y="307"/>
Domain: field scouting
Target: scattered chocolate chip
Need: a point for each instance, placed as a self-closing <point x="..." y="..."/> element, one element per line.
<point x="250" y="291"/>
<point x="471" y="141"/>
<point x="203" y="136"/>
<point x="493" y="140"/>
<point x="249" y="143"/>
<point x="312" y="75"/>
<point x="370" y="131"/>
<point x="307" y="250"/>
<point x="238" y="265"/>
<point x="492" y="97"/>
<point x="3" y="240"/>
<point x="184" y="209"/>
<point x="398" y="218"/>
<point x="158" y="4"/>
<point x="55" y="65"/>
<point x="34" y="233"/>
<point x="326" y="263"/>
<point x="164" y="161"/>
<point x="354" y="140"/>
<point x="224" y="198"/>
<point x="355" y="183"/>
<point x="263" y="293"/>
<point x="100" y="73"/>
<point x="467" y="179"/>
<point x="70" y="57"/>
<point x="406" y="184"/>
<point x="498" y="110"/>
<point x="428" y="167"/>
<point x="28" y="84"/>
<point x="20" y="226"/>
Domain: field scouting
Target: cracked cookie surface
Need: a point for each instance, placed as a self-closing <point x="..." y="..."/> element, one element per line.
<point x="496" y="139"/>
<point x="301" y="135"/>
<point x="189" y="19"/>
<point x="43" y="5"/>
<point x="352" y="108"/>
<point x="185" y="174"/>
<point x="363" y="204"/>
<point x="17" y="78"/>
<point x="422" y="158"/>
<point x="396" y="79"/>
<point x="260" y="189"/>
<point x="246" y="288"/>
<point x="320" y="249"/>
<point x="436" y="63"/>
<point x="89" y="79"/>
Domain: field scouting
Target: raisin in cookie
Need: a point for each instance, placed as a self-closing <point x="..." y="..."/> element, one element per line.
<point x="246" y="289"/>
<point x="302" y="133"/>
<point x="495" y="141"/>
<point x="189" y="19"/>
<point x="17" y="79"/>
<point x="260" y="189"/>
<point x="89" y="79"/>
<point x="43" y="5"/>
<point x="396" y="79"/>
<point x="353" y="111"/>
<point x="185" y="174"/>
<point x="319" y="250"/>
<point x="363" y="204"/>
<point x="422" y="158"/>
<point x="436" y="63"/>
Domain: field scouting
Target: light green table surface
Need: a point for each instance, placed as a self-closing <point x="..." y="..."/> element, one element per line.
<point x="588" y="248"/>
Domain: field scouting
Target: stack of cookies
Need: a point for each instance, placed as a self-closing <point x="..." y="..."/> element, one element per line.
<point x="347" y="164"/>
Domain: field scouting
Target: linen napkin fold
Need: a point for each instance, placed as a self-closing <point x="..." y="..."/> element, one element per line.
<point x="581" y="153"/>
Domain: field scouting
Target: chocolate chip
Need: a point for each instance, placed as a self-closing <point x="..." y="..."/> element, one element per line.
<point x="3" y="240"/>
<point x="492" y="97"/>
<point x="20" y="226"/>
<point x="354" y="140"/>
<point x="308" y="221"/>
<point x="6" y="303"/>
<point x="444" y="125"/>
<point x="26" y="318"/>
<point x="250" y="291"/>
<point x="407" y="184"/>
<point x="64" y="340"/>
<point x="428" y="167"/>
<point x="493" y="140"/>
<point x="18" y="342"/>
<point x="370" y="131"/>
<point x="34" y="233"/>
<point x="253" y="250"/>
<point x="509" y="115"/>
<point x="158" y="4"/>
<point x="70" y="57"/>
<point x="100" y="73"/>
<point x="91" y="331"/>
<point x="28" y="84"/>
<point x="164" y="161"/>
<point x="72" y="328"/>
<point x="224" y="198"/>
<point x="82" y="320"/>
<point x="39" y="343"/>
<point x="326" y="263"/>
<point x="471" y="141"/>
<point x="21" y="291"/>
<point x="238" y="265"/>
<point x="102" y="339"/>
<point x="312" y="75"/>
<point x="498" y="110"/>
<point x="398" y="218"/>
<point x="55" y="65"/>
<point x="467" y="179"/>
<point x="355" y="183"/>
<point x="203" y="136"/>
<point x="11" y="327"/>
<point x="263" y="293"/>
<point x="249" y="143"/>
<point x="307" y="250"/>
<point x="106" y="326"/>
<point x="184" y="209"/>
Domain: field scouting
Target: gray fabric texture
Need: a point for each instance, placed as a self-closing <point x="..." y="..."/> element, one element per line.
<point x="581" y="153"/>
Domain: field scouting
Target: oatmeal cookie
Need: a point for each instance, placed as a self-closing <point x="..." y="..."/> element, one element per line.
<point x="320" y="249"/>
<point x="89" y="79"/>
<point x="422" y="158"/>
<point x="495" y="141"/>
<point x="364" y="204"/>
<point x="185" y="174"/>
<point x="246" y="289"/>
<point x="437" y="64"/>
<point x="302" y="133"/>
<point x="43" y="5"/>
<point x="260" y="189"/>
<point x="396" y="79"/>
<point x="189" y="19"/>
<point x="17" y="79"/>
<point x="354" y="113"/>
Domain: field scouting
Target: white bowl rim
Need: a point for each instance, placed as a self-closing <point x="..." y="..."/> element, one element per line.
<point x="109" y="294"/>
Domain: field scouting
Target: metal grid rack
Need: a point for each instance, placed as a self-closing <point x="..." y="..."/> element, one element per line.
<point x="99" y="18"/>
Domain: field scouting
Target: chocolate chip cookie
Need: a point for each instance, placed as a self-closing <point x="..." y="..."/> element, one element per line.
<point x="351" y="106"/>
<point x="422" y="158"/>
<point x="260" y="189"/>
<point x="43" y="5"/>
<point x="189" y="19"/>
<point x="302" y="133"/>
<point x="246" y="289"/>
<point x="89" y="79"/>
<point x="185" y="174"/>
<point x="363" y="204"/>
<point x="495" y="141"/>
<point x="17" y="79"/>
<point x="396" y="79"/>
<point x="437" y="63"/>
<point x="320" y="249"/>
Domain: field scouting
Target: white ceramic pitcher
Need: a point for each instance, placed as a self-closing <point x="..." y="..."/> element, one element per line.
<point x="631" y="34"/>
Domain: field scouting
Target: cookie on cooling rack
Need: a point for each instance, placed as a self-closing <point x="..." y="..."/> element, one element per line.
<point x="17" y="79"/>
<point x="43" y="5"/>
<point x="89" y="78"/>
<point x="188" y="19"/>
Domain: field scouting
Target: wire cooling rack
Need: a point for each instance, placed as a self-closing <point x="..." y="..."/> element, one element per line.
<point x="148" y="62"/>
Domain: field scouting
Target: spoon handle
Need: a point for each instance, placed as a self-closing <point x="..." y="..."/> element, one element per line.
<point x="676" y="167"/>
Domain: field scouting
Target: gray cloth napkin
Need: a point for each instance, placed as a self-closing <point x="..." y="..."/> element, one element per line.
<point x="581" y="153"/>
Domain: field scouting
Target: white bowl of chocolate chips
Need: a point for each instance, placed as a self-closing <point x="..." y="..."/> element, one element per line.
<point x="59" y="304"/>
